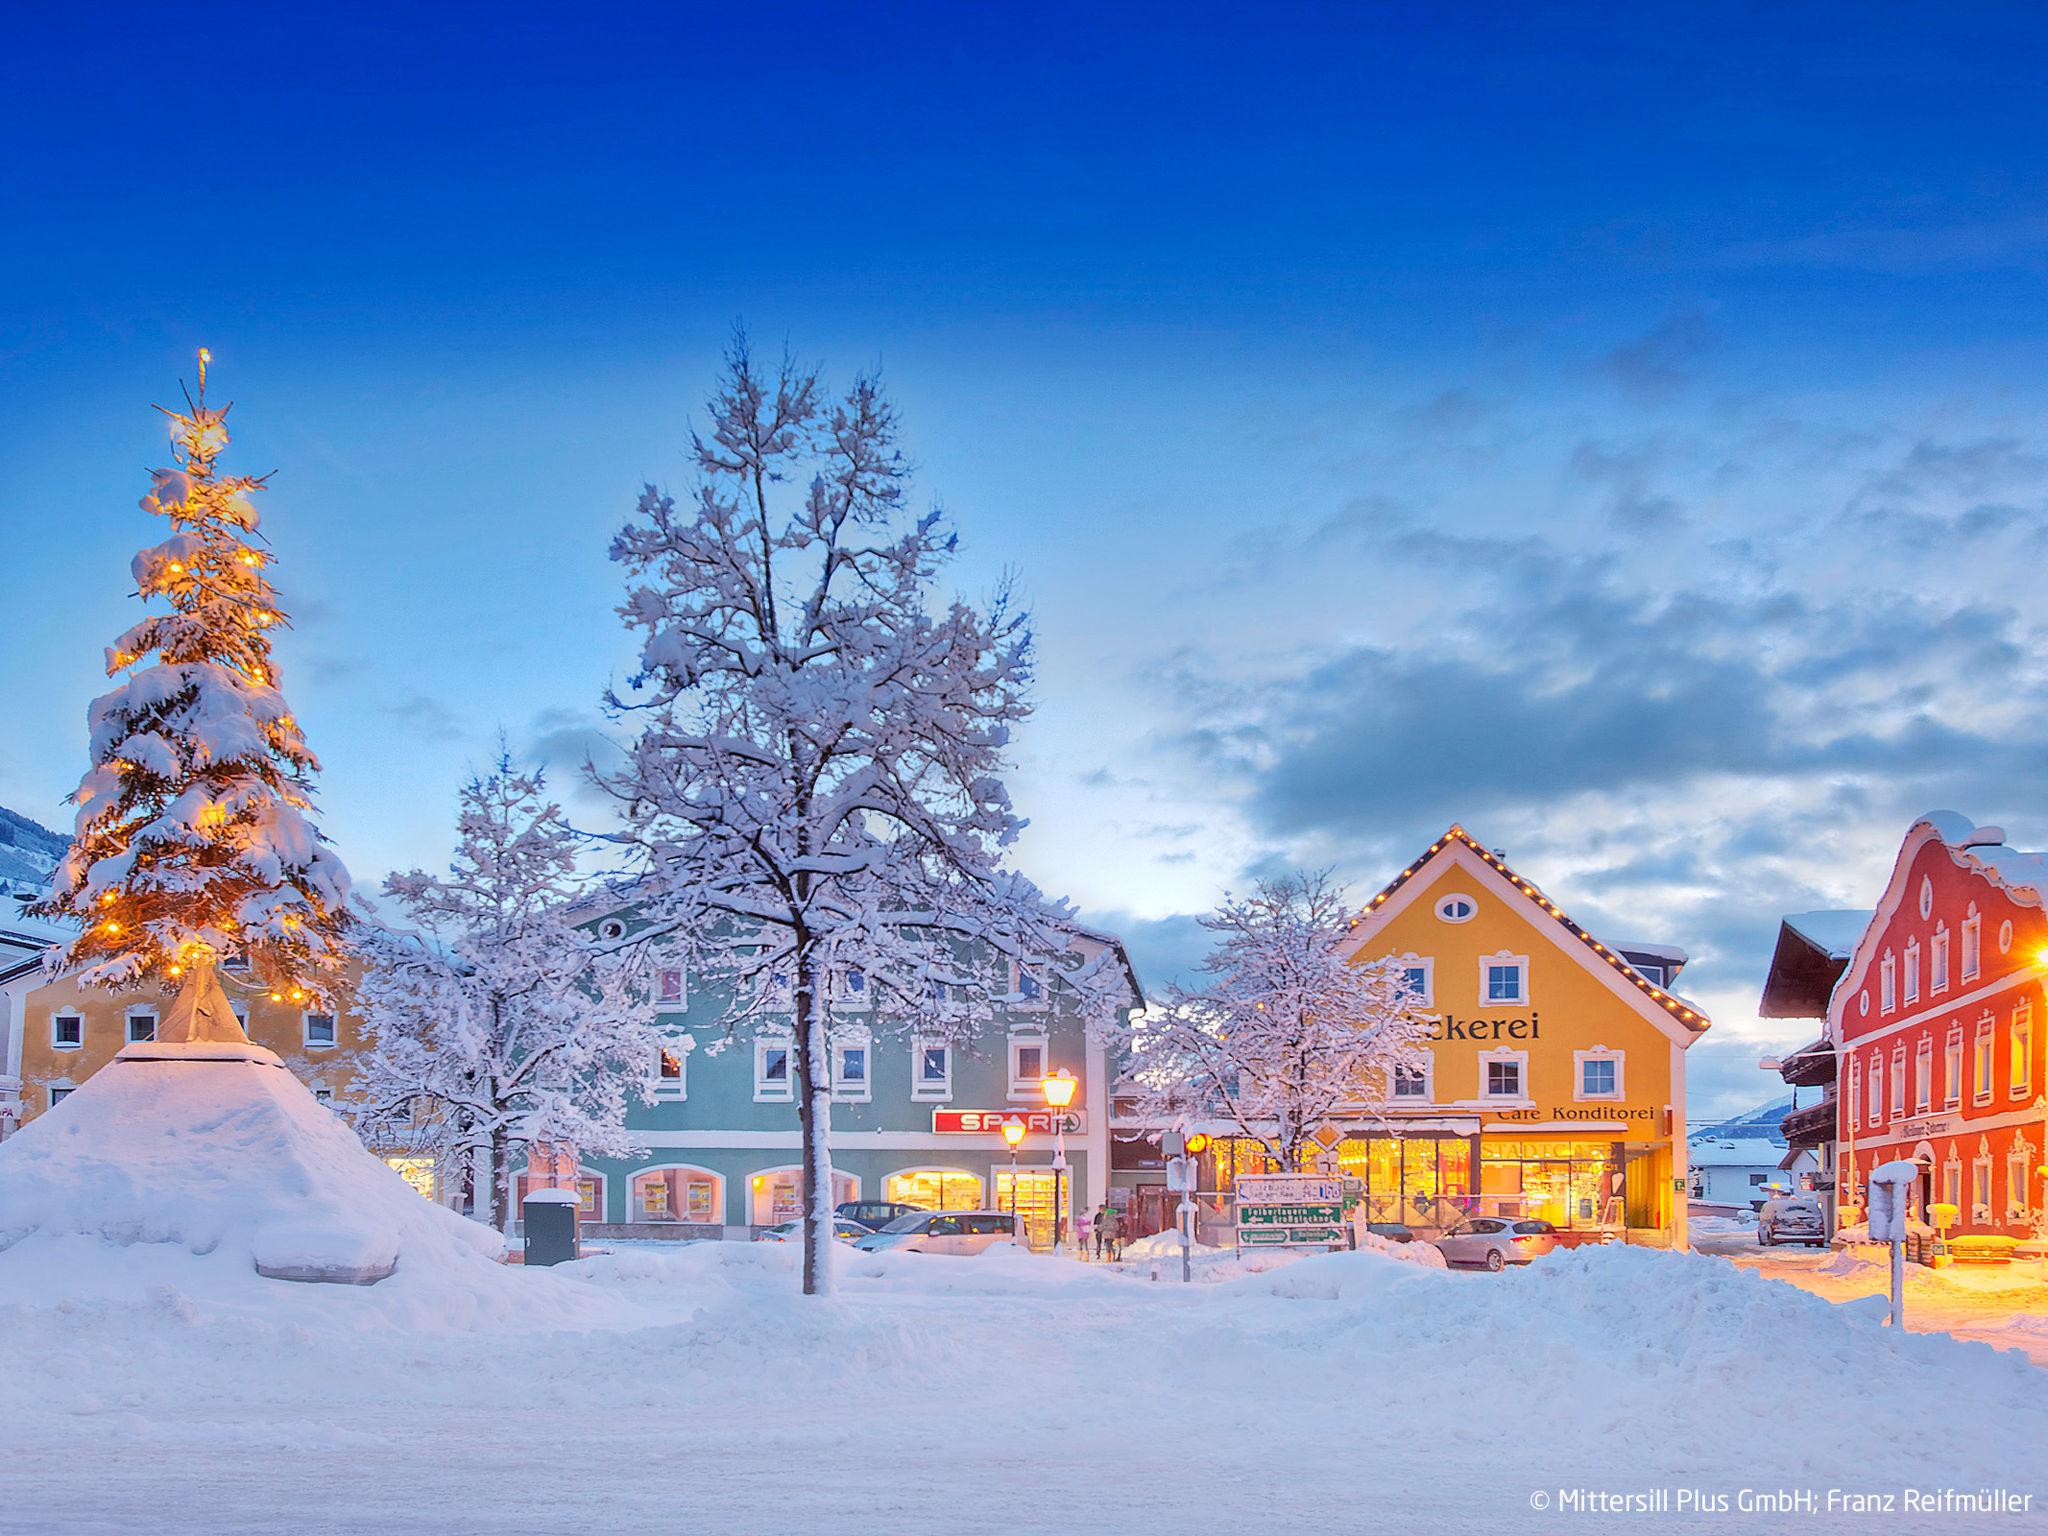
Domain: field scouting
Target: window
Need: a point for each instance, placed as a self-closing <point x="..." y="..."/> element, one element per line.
<point x="2019" y="1074"/>
<point x="235" y="960"/>
<point x="1937" y="961"/>
<point x="1420" y="975"/>
<point x="1504" y="1074"/>
<point x="1027" y="1065"/>
<point x="1456" y="907"/>
<point x="677" y="1194"/>
<point x="772" y="1071"/>
<point x="1926" y="896"/>
<point x="1952" y="1068"/>
<point x="1855" y="1087"/>
<point x="1599" y="1077"/>
<point x="2018" y="1173"/>
<point x="1923" y="1074"/>
<point x="1898" y="1096"/>
<point x="323" y="1095"/>
<point x="1986" y="1033"/>
<point x="2005" y="936"/>
<point x="669" y="987"/>
<point x="319" y="1029"/>
<point x="850" y="1062"/>
<point x="611" y="928"/>
<point x="1027" y="984"/>
<point x="67" y="1031"/>
<point x="1980" y="1184"/>
<point x="141" y="1025"/>
<point x="671" y="1069"/>
<point x="1876" y="1089"/>
<point x="1973" y="944"/>
<point x="1503" y="978"/>
<point x="1757" y="1179"/>
<point x="1952" y="1182"/>
<point x="1913" y="971"/>
<point x="934" y="1070"/>
<point x="1652" y="972"/>
<point x="1887" y="985"/>
<point x="59" y="1095"/>
<point x="1414" y="1080"/>
<point x="852" y="986"/>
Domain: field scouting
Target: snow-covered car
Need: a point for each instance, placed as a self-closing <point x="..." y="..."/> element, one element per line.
<point x="942" y="1232"/>
<point x="1392" y="1231"/>
<point x="1494" y="1242"/>
<point x="1790" y="1219"/>
<point x="793" y="1231"/>
<point x="876" y="1214"/>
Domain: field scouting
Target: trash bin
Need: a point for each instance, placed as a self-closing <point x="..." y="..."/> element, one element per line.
<point x="550" y="1216"/>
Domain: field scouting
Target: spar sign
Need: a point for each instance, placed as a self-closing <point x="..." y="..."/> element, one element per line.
<point x="1280" y="1210"/>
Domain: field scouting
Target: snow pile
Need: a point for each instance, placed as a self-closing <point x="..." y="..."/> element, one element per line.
<point x="220" y="1151"/>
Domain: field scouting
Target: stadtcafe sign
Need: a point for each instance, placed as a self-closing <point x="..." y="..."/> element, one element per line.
<point x="990" y="1122"/>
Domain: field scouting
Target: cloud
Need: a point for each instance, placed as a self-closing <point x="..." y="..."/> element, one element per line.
<point x="424" y="718"/>
<point x="1662" y="362"/>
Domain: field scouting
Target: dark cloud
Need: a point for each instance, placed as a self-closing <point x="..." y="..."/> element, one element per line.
<point x="1162" y="949"/>
<point x="1659" y="364"/>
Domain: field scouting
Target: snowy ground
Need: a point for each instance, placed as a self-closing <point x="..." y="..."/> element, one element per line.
<point x="2005" y="1305"/>
<point x="690" y="1389"/>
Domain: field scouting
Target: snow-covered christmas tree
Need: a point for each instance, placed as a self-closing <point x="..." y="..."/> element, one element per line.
<point x="195" y="842"/>
<point x="496" y="1023"/>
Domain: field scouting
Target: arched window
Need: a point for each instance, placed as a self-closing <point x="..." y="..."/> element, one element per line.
<point x="678" y="1192"/>
<point x="776" y="1195"/>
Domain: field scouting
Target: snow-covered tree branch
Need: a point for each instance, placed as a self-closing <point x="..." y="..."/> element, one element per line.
<point x="1284" y="1034"/>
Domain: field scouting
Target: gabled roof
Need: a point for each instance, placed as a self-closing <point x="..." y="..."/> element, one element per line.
<point x="1652" y="1000"/>
<point x="1812" y="949"/>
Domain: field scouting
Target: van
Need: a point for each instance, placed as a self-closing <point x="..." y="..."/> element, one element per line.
<point x="959" y="1232"/>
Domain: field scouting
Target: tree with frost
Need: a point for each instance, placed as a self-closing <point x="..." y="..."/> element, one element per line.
<point x="496" y="1023"/>
<point x="1284" y="1034"/>
<point x="816" y="784"/>
<point x="194" y="837"/>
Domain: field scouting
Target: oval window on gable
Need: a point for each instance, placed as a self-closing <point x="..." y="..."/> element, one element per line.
<point x="611" y="928"/>
<point x="1456" y="908"/>
<point x="1926" y="896"/>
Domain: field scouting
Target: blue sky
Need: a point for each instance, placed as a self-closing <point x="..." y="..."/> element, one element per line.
<point x="1618" y="433"/>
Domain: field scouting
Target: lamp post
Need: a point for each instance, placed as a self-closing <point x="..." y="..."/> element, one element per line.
<point x="1059" y="1093"/>
<point x="1013" y="1132"/>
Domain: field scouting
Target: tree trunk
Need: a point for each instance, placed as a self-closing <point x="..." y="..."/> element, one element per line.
<point x="501" y="1180"/>
<point x="814" y="1113"/>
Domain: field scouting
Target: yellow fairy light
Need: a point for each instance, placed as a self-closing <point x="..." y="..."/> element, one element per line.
<point x="177" y="970"/>
<point x="110" y="926"/>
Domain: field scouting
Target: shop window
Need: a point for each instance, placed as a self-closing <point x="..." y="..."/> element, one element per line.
<point x="1913" y="971"/>
<point x="776" y="1195"/>
<point x="589" y="1187"/>
<point x="1504" y="1074"/>
<point x="681" y="1193"/>
<point x="671" y="987"/>
<point x="1503" y="979"/>
<point x="1419" y="973"/>
<point x="1887" y="984"/>
<point x="319" y="1029"/>
<point x="1923" y="1074"/>
<point x="1027" y="1066"/>
<point x="934" y="1070"/>
<point x="1599" y="1074"/>
<point x="2020" y="1053"/>
<point x="141" y="1025"/>
<point x="774" y="1070"/>
<point x="851" y="1060"/>
<point x="672" y="1069"/>
<point x="1973" y="944"/>
<point x="934" y="1189"/>
<point x="1951" y="1068"/>
<point x="67" y="1031"/>
<point x="1456" y="907"/>
<point x="1986" y="1039"/>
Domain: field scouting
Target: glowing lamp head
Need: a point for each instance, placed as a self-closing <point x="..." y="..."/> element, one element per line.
<point x="1059" y="1088"/>
<point x="1013" y="1131"/>
<point x="1198" y="1143"/>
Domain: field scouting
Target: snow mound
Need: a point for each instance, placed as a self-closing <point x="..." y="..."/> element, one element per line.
<point x="219" y="1150"/>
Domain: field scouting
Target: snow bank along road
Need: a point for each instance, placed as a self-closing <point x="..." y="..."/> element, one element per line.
<point x="691" y="1390"/>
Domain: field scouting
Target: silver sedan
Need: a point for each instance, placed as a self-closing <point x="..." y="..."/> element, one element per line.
<point x="1494" y="1242"/>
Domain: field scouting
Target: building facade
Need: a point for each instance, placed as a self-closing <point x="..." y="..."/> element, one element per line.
<point x="913" y="1120"/>
<point x="1554" y="1086"/>
<point x="1937" y="1023"/>
<point x="1812" y="951"/>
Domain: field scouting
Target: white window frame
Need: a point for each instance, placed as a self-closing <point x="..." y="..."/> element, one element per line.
<point x="67" y="1045"/>
<point x="1912" y="991"/>
<point x="59" y="1092"/>
<point x="674" y="1090"/>
<point x="1423" y="1065"/>
<point x="1855" y="1089"/>
<point x="1445" y="900"/>
<point x="712" y="1176"/>
<point x="1039" y="974"/>
<point x="1937" y="961"/>
<point x="2019" y="1051"/>
<point x="1952" y="1068"/>
<point x="843" y="1091"/>
<point x="1580" y="1059"/>
<point x="1520" y="965"/>
<point x="681" y="996"/>
<point x="1022" y="1086"/>
<point x="306" y="1018"/>
<point x="1973" y="944"/>
<point x="1952" y="1180"/>
<point x="1980" y="1182"/>
<point x="1503" y="1056"/>
<point x="129" y="1020"/>
<point x="1923" y="1075"/>
<point x="843" y="994"/>
<point x="236" y="960"/>
<point x="1984" y="1065"/>
<point x="766" y="1090"/>
<point x="2019" y="1176"/>
<point x="1887" y="983"/>
<point x="921" y="1088"/>
<point x="1427" y="965"/>
<point x="1876" y="1083"/>
<point x="1898" y="1089"/>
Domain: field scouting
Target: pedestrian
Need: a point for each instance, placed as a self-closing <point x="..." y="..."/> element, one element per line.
<point x="1107" y="1231"/>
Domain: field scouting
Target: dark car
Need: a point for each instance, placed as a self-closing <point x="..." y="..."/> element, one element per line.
<point x="876" y="1214"/>
<point x="1392" y="1231"/>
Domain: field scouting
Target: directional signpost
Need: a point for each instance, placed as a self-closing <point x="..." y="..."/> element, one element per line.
<point x="1289" y="1210"/>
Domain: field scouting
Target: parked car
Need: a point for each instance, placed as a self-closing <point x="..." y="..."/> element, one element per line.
<point x="1494" y="1242"/>
<point x="1392" y="1231"/>
<point x="942" y="1232"/>
<point x="1791" y="1219"/>
<point x="876" y="1214"/>
<point x="793" y="1231"/>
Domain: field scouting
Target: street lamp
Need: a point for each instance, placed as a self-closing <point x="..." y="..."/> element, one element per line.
<point x="1059" y="1093"/>
<point x="1013" y="1132"/>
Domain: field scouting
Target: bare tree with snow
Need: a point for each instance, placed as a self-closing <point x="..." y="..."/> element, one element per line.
<point x="816" y="785"/>
<point x="496" y="1023"/>
<point x="1284" y="1034"/>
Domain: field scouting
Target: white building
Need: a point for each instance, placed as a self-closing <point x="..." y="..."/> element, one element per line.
<point x="1739" y="1171"/>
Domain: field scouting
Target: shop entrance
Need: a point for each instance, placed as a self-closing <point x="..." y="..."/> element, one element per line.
<point x="1034" y="1201"/>
<point x="935" y="1189"/>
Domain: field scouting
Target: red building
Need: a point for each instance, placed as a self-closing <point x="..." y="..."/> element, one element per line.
<point x="1938" y="1023"/>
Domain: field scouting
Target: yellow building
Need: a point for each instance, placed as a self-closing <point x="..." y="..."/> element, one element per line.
<point x="1554" y="1085"/>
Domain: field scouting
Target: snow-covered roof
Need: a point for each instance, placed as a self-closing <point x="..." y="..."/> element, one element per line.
<point x="1718" y="1152"/>
<point x="1670" y="954"/>
<point x="1834" y="931"/>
